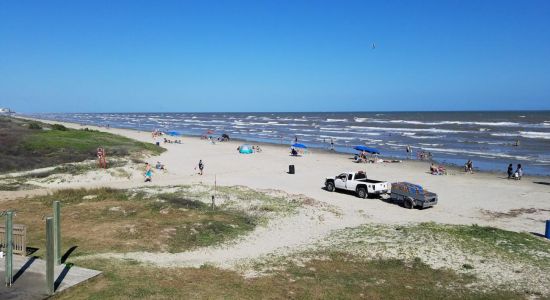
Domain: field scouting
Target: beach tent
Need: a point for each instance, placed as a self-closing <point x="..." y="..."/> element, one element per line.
<point x="298" y="145"/>
<point x="173" y="133"/>
<point x="246" y="149"/>
<point x="366" y="149"/>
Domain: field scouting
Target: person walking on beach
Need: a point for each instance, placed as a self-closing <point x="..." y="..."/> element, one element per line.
<point x="469" y="167"/>
<point x="510" y="171"/>
<point x="331" y="144"/>
<point x="148" y="173"/>
<point x="409" y="151"/>
<point x="201" y="167"/>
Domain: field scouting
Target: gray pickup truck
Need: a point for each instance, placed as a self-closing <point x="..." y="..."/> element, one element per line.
<point x="412" y="195"/>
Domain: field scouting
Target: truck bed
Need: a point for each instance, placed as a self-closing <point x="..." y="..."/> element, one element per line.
<point x="369" y="180"/>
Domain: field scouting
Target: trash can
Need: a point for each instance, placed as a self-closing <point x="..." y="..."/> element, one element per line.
<point x="547" y="232"/>
<point x="291" y="169"/>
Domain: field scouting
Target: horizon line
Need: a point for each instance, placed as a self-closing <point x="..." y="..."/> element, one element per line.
<point x="263" y="112"/>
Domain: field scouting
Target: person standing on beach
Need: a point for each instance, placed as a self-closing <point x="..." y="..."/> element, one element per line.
<point x="296" y="139"/>
<point x="409" y="151"/>
<point x="331" y="144"/>
<point x="148" y="173"/>
<point x="510" y="171"/>
<point x="101" y="158"/>
<point x="519" y="172"/>
<point x="201" y="166"/>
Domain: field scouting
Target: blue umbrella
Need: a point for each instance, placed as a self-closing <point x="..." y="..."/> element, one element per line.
<point x="298" y="145"/>
<point x="367" y="149"/>
<point x="173" y="133"/>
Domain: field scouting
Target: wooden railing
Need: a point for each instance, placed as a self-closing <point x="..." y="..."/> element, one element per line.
<point x="19" y="239"/>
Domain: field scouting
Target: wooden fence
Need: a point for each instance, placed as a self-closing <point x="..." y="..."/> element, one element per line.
<point x="19" y="239"/>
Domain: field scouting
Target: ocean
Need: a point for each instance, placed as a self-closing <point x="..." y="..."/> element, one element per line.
<point x="487" y="138"/>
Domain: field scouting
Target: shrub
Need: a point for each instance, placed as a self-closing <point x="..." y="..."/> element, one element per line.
<point x="34" y="125"/>
<point x="59" y="127"/>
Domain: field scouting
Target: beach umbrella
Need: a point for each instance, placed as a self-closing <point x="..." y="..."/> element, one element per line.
<point x="298" y="145"/>
<point x="173" y="133"/>
<point x="366" y="149"/>
<point x="246" y="149"/>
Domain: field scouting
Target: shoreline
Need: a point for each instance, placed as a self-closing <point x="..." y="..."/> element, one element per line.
<point x="448" y="166"/>
<point x="453" y="139"/>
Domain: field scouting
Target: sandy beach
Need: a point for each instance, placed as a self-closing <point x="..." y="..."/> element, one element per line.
<point x="482" y="198"/>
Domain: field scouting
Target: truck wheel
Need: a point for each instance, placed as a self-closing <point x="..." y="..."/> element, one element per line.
<point x="330" y="186"/>
<point x="408" y="203"/>
<point x="361" y="192"/>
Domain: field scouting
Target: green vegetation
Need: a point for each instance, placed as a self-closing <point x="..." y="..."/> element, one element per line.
<point x="110" y="220"/>
<point x="490" y="241"/>
<point x="481" y="241"/>
<point x="261" y="205"/>
<point x="26" y="145"/>
<point x="179" y="218"/>
<point x="337" y="277"/>
<point x="35" y="125"/>
<point x="59" y="127"/>
<point x="16" y="184"/>
<point x="260" y="201"/>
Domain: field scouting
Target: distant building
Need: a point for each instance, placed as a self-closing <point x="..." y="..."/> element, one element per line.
<point x="5" y="111"/>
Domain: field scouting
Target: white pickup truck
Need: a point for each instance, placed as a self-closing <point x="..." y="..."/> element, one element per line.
<point x="358" y="183"/>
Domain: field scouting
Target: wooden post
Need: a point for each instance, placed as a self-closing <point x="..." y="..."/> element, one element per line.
<point x="9" y="248"/>
<point x="214" y="196"/>
<point x="57" y="231"/>
<point x="50" y="255"/>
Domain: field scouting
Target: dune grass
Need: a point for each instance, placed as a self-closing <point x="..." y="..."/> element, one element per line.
<point x="484" y="240"/>
<point x="109" y="220"/>
<point x="337" y="277"/>
<point x="27" y="145"/>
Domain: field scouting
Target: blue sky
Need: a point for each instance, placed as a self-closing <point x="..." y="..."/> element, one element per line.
<point x="120" y="56"/>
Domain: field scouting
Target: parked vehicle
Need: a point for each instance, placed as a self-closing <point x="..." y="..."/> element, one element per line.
<point x="358" y="183"/>
<point x="412" y="195"/>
